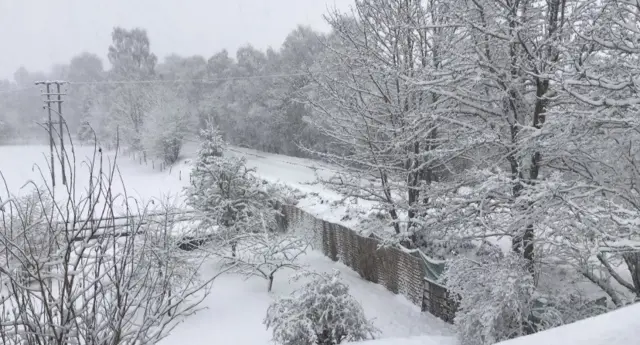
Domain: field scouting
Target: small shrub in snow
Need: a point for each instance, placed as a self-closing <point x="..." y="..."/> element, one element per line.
<point x="499" y="299"/>
<point x="27" y="233"/>
<point x="321" y="312"/>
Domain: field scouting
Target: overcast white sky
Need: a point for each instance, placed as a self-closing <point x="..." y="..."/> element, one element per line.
<point x="39" y="33"/>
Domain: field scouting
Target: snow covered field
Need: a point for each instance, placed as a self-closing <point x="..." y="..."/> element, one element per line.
<point x="20" y="164"/>
<point x="301" y="174"/>
<point x="236" y="307"/>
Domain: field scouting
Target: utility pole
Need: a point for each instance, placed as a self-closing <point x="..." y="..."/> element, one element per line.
<point x="61" y="123"/>
<point x="50" y="126"/>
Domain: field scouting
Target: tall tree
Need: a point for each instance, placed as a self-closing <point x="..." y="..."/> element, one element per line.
<point x="600" y="140"/>
<point x="375" y="108"/>
<point x="218" y="91"/>
<point x="505" y="94"/>
<point x="189" y="73"/>
<point x="85" y="73"/>
<point x="31" y="117"/>
<point x="289" y="130"/>
<point x="133" y="65"/>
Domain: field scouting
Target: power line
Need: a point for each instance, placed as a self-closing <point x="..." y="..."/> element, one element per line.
<point x="18" y="90"/>
<point x="202" y="81"/>
<point x="169" y="81"/>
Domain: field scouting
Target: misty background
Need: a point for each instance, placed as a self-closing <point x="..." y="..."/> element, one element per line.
<point x="37" y="34"/>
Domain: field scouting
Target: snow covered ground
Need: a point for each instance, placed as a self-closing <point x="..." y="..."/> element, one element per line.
<point x="419" y="340"/>
<point x="236" y="307"/>
<point x="19" y="164"/>
<point x="302" y="174"/>
<point x="620" y="327"/>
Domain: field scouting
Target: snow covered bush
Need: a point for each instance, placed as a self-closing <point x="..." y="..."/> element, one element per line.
<point x="320" y="312"/>
<point x="500" y="299"/>
<point x="26" y="233"/>
<point x="160" y="252"/>
<point x="495" y="298"/>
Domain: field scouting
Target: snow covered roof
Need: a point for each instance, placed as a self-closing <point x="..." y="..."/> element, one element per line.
<point x="619" y="327"/>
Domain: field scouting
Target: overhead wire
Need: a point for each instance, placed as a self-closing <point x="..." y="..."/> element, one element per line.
<point x="168" y="81"/>
<point x="202" y="81"/>
<point x="18" y="90"/>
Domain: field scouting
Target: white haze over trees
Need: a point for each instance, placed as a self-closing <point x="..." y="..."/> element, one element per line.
<point x="500" y="135"/>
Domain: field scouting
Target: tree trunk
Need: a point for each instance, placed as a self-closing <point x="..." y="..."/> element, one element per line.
<point x="234" y="244"/>
<point x="633" y="264"/>
<point x="270" y="282"/>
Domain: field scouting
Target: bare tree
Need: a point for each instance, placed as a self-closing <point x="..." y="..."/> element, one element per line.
<point x="102" y="270"/>
<point x="263" y="254"/>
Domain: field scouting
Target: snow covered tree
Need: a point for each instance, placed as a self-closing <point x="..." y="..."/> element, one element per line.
<point x="226" y="194"/>
<point x="601" y="139"/>
<point x="79" y="109"/>
<point x="131" y="61"/>
<point x="499" y="299"/>
<point x="216" y="106"/>
<point x="257" y="99"/>
<point x="320" y="312"/>
<point x="22" y="103"/>
<point x="189" y="90"/>
<point x="506" y="95"/>
<point x="209" y="157"/>
<point x="288" y="130"/>
<point x="166" y="127"/>
<point x="377" y="108"/>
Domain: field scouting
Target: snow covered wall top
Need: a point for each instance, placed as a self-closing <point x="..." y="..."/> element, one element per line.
<point x="619" y="327"/>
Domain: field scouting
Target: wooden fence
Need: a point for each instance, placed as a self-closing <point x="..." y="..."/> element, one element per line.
<point x="400" y="272"/>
